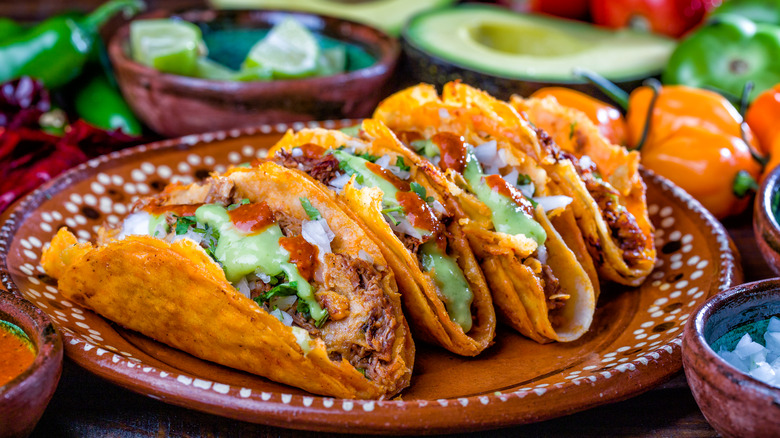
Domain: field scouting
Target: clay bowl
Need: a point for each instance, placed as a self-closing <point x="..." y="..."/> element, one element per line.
<point x="733" y="402"/>
<point x="175" y="105"/>
<point x="765" y="225"/>
<point x="23" y="399"/>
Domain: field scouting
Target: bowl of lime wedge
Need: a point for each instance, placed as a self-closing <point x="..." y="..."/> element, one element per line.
<point x="206" y="70"/>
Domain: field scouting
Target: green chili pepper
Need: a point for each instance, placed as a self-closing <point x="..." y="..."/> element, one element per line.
<point x="100" y="104"/>
<point x="55" y="50"/>
<point x="9" y="28"/>
<point x="757" y="11"/>
<point x="725" y="54"/>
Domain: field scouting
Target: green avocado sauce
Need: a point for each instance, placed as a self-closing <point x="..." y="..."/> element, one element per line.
<point x="445" y="271"/>
<point x="451" y="282"/>
<point x="241" y="254"/>
<point x="507" y="216"/>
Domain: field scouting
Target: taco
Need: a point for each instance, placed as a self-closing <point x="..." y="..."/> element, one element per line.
<point x="611" y="207"/>
<point x="538" y="284"/>
<point x="400" y="204"/>
<point x="257" y="270"/>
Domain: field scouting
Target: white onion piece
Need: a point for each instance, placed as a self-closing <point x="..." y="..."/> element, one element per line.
<point x="282" y="316"/>
<point x="527" y="190"/>
<point x="403" y="174"/>
<point x="340" y="181"/>
<point x="549" y="203"/>
<point x="283" y="303"/>
<point x="365" y="256"/>
<point x="404" y="226"/>
<point x="383" y="161"/>
<point x="435" y="160"/>
<point x="262" y="276"/>
<point x="438" y="207"/>
<point x="318" y="233"/>
<point x="136" y="223"/>
<point x="297" y="152"/>
<point x="191" y="235"/>
<point x="586" y="162"/>
<point x="444" y="114"/>
<point x="512" y="177"/>
<point x="243" y="287"/>
<point x="487" y="152"/>
<point x="352" y="145"/>
<point x="541" y="254"/>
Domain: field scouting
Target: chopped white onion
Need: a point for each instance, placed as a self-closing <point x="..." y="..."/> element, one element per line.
<point x="318" y="233"/>
<point x="352" y="145"/>
<point x="297" y="152"/>
<point x="365" y="256"/>
<point x="283" y="302"/>
<point x="586" y="162"/>
<point x="759" y="361"/>
<point x="438" y="207"/>
<point x="282" y="316"/>
<point x="340" y="181"/>
<point x="435" y="160"/>
<point x="262" y="276"/>
<point x="383" y="161"/>
<point x="549" y="203"/>
<point x="136" y="223"/>
<point x="512" y="177"/>
<point x="527" y="190"/>
<point x="243" y="287"/>
<point x="487" y="152"/>
<point x="402" y="174"/>
<point x="541" y="254"/>
<point x="404" y="226"/>
<point x="444" y="114"/>
<point x="191" y="235"/>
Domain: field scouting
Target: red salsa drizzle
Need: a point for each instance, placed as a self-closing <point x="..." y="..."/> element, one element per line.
<point x="311" y="150"/>
<point x="407" y="137"/>
<point x="452" y="149"/>
<point x="498" y="184"/>
<point x="302" y="253"/>
<point x="389" y="176"/>
<point x="252" y="218"/>
<point x="178" y="210"/>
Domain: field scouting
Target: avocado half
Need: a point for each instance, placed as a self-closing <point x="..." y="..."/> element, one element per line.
<point x="504" y="52"/>
<point x="387" y="15"/>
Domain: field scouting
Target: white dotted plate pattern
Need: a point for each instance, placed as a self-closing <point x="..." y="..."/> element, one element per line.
<point x="634" y="343"/>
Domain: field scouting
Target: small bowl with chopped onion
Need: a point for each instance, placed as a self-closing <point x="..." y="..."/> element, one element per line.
<point x="731" y="357"/>
<point x="30" y="364"/>
<point x="204" y="70"/>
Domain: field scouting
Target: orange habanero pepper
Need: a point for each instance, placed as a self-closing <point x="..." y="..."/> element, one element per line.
<point x="695" y="139"/>
<point x="762" y="117"/>
<point x="606" y="117"/>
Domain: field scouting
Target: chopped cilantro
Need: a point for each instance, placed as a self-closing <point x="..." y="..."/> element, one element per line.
<point x="421" y="192"/>
<point x="368" y="157"/>
<point x="572" y="127"/>
<point x="400" y="163"/>
<point x="210" y="239"/>
<point x="239" y="204"/>
<point x="183" y="223"/>
<point x="282" y="290"/>
<point x="533" y="203"/>
<point x="362" y="371"/>
<point x="397" y="208"/>
<point x="322" y="320"/>
<point x="313" y="213"/>
<point x="247" y="165"/>
<point x="343" y="165"/>
<point x="303" y="309"/>
<point x="523" y="179"/>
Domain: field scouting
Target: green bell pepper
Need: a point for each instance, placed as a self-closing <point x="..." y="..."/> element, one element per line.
<point x="757" y="11"/>
<point x="9" y="28"/>
<point x="55" y="50"/>
<point x="725" y="54"/>
<point x="100" y="104"/>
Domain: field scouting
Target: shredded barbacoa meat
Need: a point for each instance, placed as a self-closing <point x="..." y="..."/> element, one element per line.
<point x="322" y="168"/>
<point x="623" y="225"/>
<point x="553" y="292"/>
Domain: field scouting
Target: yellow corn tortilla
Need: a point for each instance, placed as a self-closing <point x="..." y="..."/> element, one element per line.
<point x="175" y="294"/>
<point x="425" y="310"/>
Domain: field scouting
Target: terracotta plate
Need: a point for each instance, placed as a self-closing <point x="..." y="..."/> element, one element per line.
<point x="634" y="342"/>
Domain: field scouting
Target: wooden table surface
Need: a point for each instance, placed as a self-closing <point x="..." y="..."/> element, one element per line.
<point x="85" y="405"/>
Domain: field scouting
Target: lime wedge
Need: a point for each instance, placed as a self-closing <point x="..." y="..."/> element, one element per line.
<point x="253" y="74"/>
<point x="289" y="51"/>
<point x="332" y="61"/>
<point x="170" y="46"/>
<point x="208" y="69"/>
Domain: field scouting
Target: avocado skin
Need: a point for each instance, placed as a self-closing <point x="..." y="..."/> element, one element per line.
<point x="424" y="67"/>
